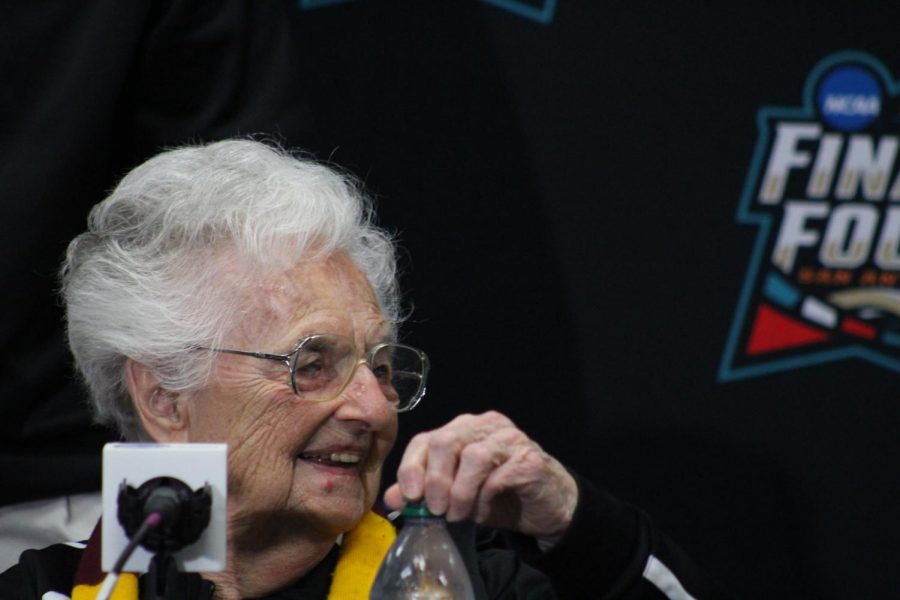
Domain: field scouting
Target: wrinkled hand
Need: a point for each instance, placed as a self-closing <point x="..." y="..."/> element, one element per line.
<point x="482" y="467"/>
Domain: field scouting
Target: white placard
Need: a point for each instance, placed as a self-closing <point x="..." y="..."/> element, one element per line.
<point x="196" y="465"/>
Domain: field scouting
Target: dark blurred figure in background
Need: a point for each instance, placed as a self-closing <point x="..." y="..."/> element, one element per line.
<point x="89" y="89"/>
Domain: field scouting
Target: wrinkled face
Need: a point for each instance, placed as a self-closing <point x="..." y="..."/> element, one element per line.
<point x="317" y="464"/>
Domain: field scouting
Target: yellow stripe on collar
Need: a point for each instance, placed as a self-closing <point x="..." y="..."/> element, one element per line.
<point x="363" y="549"/>
<point x="126" y="589"/>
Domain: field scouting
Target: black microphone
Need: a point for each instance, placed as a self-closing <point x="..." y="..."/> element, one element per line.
<point x="180" y="515"/>
<point x="184" y="513"/>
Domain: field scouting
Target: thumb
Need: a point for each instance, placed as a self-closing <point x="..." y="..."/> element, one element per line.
<point x="393" y="497"/>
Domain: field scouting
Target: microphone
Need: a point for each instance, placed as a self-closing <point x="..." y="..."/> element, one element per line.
<point x="183" y="513"/>
<point x="163" y="515"/>
<point x="185" y="485"/>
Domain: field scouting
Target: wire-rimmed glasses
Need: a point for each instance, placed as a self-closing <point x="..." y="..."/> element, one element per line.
<point x="322" y="364"/>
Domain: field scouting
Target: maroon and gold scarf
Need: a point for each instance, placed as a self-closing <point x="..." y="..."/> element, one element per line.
<point x="361" y="554"/>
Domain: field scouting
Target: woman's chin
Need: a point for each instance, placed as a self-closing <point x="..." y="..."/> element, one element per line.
<point x="337" y="506"/>
<point x="335" y="515"/>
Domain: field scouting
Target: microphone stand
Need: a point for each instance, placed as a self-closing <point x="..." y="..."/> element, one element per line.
<point x="165" y="581"/>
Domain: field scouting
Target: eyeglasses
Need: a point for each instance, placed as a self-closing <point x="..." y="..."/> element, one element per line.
<point x="321" y="365"/>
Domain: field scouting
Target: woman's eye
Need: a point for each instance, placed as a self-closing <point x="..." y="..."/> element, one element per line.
<point x="383" y="373"/>
<point x="309" y="369"/>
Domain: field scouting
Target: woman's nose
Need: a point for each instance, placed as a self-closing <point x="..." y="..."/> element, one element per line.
<point x="364" y="399"/>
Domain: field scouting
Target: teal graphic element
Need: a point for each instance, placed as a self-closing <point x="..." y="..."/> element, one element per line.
<point x="310" y="4"/>
<point x="780" y="291"/>
<point x="541" y="11"/>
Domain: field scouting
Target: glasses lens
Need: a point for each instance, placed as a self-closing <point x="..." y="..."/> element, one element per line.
<point x="322" y="365"/>
<point x="401" y="372"/>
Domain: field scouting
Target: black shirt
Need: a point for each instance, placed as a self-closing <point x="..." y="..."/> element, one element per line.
<point x="604" y="554"/>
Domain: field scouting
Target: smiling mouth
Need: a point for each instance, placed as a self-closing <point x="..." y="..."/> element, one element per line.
<point x="334" y="459"/>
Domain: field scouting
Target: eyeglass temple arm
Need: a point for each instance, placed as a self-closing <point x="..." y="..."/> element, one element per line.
<point x="265" y="355"/>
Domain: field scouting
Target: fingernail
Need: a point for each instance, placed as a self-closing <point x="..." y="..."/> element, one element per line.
<point x="437" y="508"/>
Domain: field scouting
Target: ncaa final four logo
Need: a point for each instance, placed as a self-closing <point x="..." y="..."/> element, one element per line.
<point x="824" y="192"/>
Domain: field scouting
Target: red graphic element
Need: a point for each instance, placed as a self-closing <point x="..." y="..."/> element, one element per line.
<point x="858" y="328"/>
<point x="774" y="330"/>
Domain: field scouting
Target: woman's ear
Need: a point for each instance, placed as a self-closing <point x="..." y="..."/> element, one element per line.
<point x="162" y="413"/>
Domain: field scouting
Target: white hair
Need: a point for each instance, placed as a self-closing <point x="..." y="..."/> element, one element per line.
<point x="145" y="281"/>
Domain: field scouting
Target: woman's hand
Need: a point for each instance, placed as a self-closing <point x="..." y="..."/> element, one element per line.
<point x="482" y="467"/>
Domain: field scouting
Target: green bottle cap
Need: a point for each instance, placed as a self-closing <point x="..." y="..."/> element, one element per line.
<point x="416" y="508"/>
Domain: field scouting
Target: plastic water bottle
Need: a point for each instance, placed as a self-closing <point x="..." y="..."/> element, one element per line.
<point x="423" y="563"/>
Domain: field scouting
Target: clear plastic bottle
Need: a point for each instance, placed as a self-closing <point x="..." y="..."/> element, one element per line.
<point x="423" y="563"/>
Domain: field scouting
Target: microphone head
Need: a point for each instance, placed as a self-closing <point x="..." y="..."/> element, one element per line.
<point x="183" y="513"/>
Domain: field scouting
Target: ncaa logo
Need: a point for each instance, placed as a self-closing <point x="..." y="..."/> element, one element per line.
<point x="849" y="98"/>
<point x="823" y="191"/>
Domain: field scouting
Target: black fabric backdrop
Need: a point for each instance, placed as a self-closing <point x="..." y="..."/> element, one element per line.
<point x="567" y="194"/>
<point x="565" y="190"/>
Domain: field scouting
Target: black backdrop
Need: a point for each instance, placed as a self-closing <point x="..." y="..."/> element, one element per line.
<point x="566" y="191"/>
<point x="564" y="176"/>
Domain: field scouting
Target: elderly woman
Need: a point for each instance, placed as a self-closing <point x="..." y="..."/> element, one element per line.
<point x="234" y="293"/>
